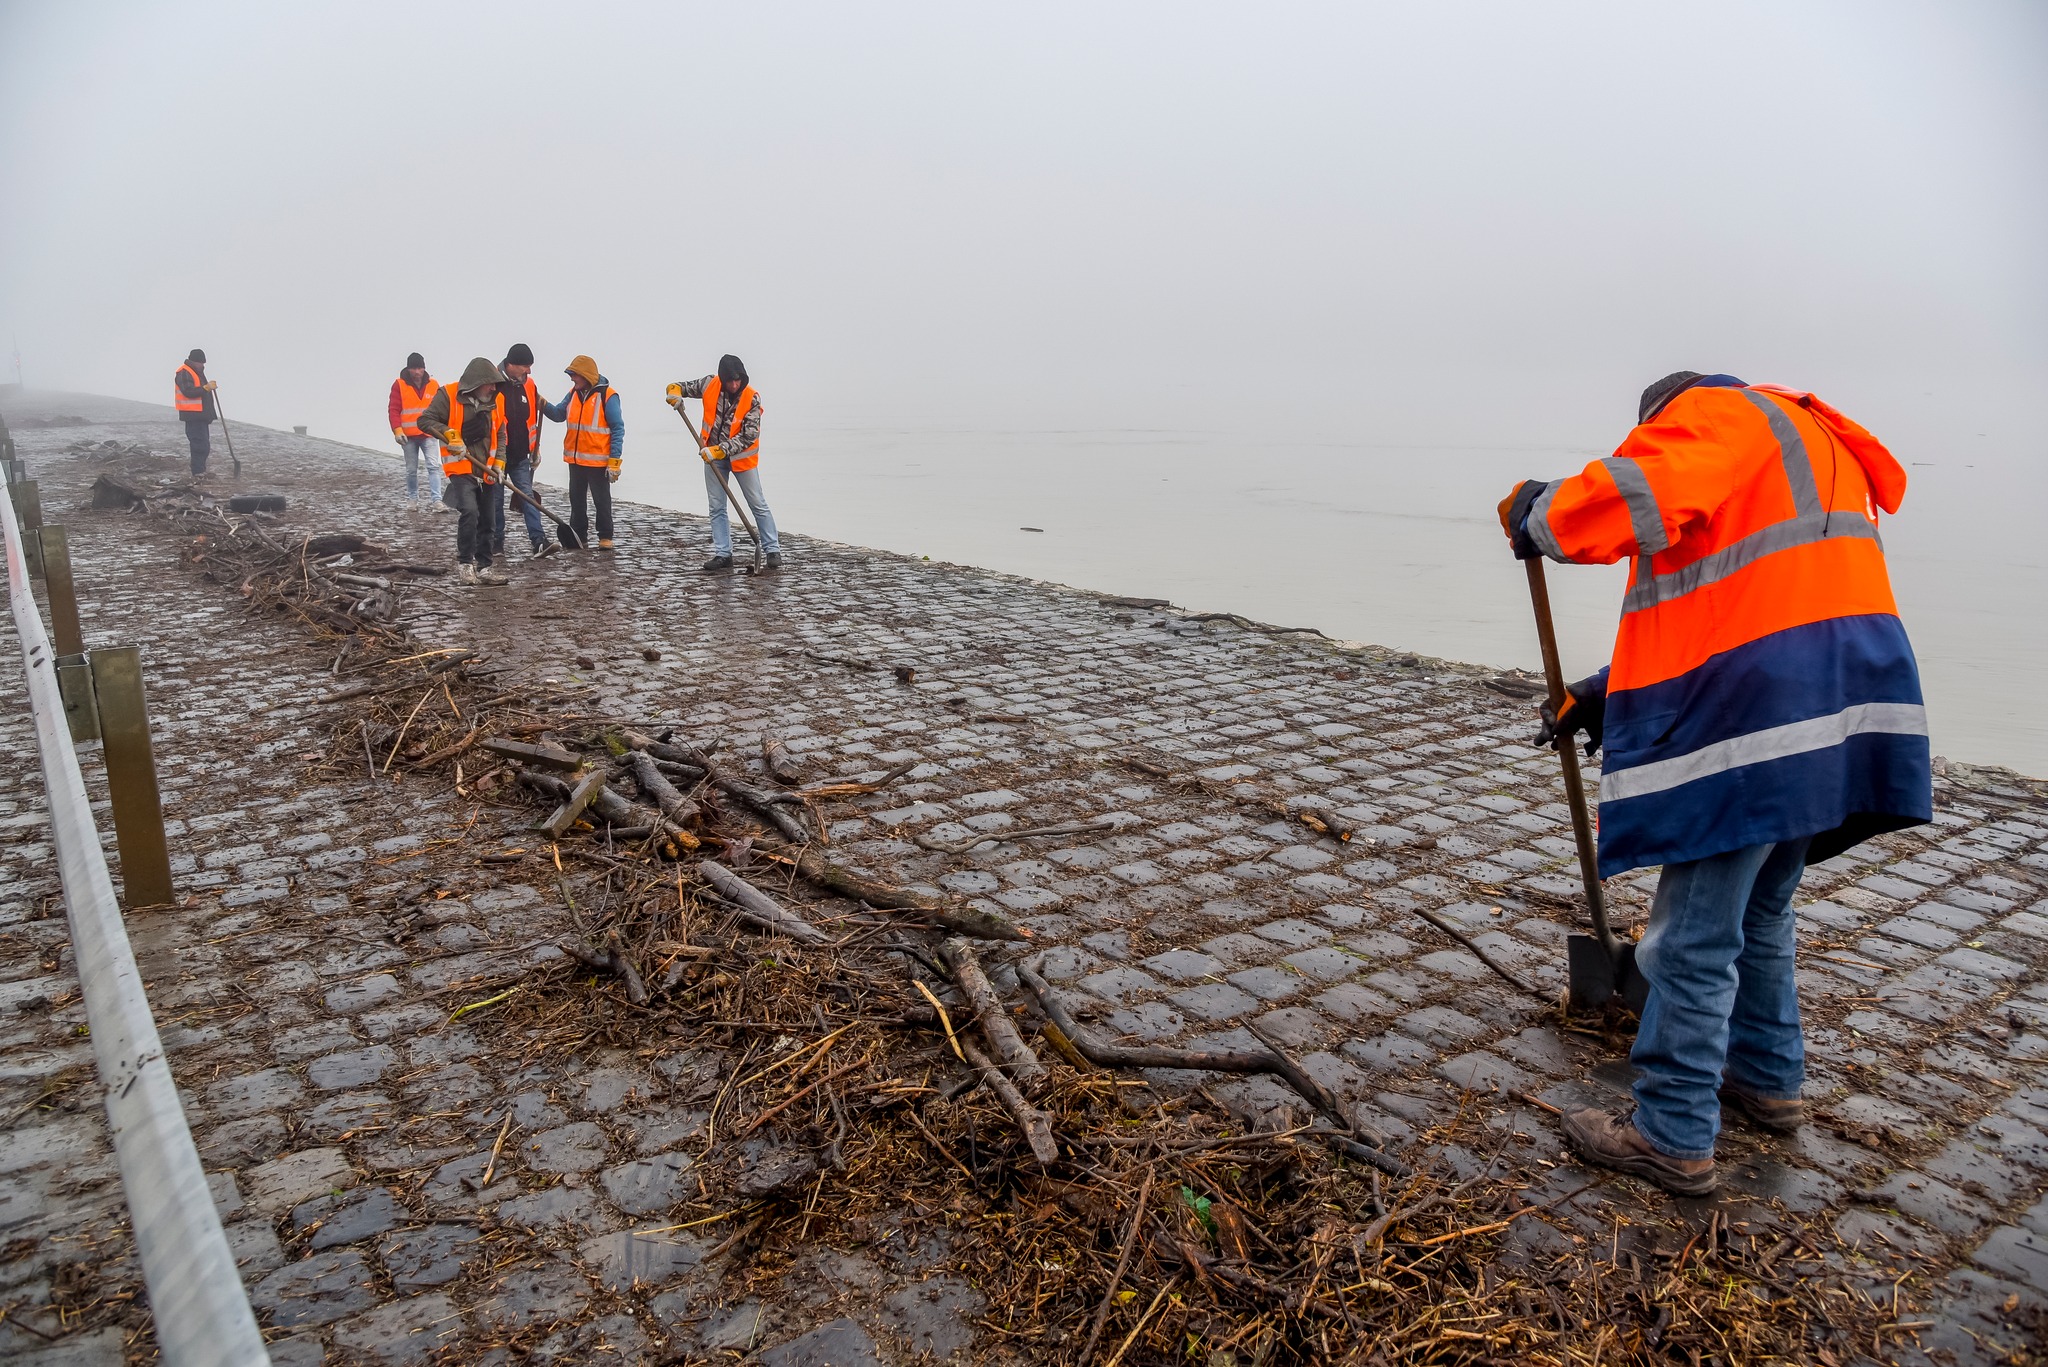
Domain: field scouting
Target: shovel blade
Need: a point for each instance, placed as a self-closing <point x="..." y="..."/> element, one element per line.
<point x="1596" y="976"/>
<point x="1589" y="972"/>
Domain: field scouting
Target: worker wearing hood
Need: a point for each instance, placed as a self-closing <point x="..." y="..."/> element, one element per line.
<point x="1762" y="712"/>
<point x="731" y="434"/>
<point x="468" y="419"/>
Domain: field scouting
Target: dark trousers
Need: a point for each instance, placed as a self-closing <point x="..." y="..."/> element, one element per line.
<point x="590" y="484"/>
<point x="200" y="436"/>
<point x="476" y="521"/>
<point x="519" y="471"/>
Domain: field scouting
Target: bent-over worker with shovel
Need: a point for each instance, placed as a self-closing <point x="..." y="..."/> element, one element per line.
<point x="468" y="418"/>
<point x="732" y="445"/>
<point x="1762" y="711"/>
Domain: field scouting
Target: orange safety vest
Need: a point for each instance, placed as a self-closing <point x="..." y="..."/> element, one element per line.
<point x="413" y="402"/>
<point x="749" y="458"/>
<point x="455" y="457"/>
<point x="532" y="419"/>
<point x="1762" y="688"/>
<point x="587" y="439"/>
<point x="195" y="403"/>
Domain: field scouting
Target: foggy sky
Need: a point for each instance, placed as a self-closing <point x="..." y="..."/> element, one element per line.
<point x="1470" y="222"/>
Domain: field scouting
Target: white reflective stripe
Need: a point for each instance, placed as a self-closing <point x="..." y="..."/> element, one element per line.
<point x="1791" y="453"/>
<point x="1538" y="524"/>
<point x="1758" y="747"/>
<point x="1643" y="518"/>
<point x="1779" y="536"/>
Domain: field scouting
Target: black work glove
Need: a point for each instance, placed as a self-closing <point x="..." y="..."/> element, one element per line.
<point x="1514" y="517"/>
<point x="1585" y="709"/>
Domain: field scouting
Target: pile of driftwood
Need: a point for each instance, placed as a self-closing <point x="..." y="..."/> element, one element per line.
<point x="879" y="1059"/>
<point x="875" y="1054"/>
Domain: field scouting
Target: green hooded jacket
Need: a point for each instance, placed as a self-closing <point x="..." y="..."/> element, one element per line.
<point x="476" y="416"/>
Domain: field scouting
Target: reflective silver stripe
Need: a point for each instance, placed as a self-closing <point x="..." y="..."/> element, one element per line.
<point x="1538" y="524"/>
<point x="1779" y="536"/>
<point x="1792" y="451"/>
<point x="1643" y="517"/>
<point x="1796" y="738"/>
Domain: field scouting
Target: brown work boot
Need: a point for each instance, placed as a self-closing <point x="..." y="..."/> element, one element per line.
<point x="1615" y="1142"/>
<point x="1781" y="1115"/>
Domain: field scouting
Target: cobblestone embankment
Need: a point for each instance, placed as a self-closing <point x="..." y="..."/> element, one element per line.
<point x="342" y="1113"/>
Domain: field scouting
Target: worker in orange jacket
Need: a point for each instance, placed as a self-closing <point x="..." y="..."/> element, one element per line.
<point x="192" y="392"/>
<point x="1762" y="712"/>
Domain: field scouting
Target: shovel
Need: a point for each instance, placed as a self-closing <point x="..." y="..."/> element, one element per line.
<point x="1600" y="965"/>
<point x="222" y="414"/>
<point x="739" y="505"/>
<point x="563" y="530"/>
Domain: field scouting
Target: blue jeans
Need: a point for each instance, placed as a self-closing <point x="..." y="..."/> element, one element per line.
<point x="750" y="489"/>
<point x="1718" y="957"/>
<point x="416" y="450"/>
<point x="520" y="472"/>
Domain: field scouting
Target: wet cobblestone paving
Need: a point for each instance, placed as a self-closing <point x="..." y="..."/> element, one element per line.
<point x="349" y="1125"/>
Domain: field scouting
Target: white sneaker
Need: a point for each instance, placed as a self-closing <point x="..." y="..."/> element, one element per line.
<point x="465" y="573"/>
<point x="492" y="576"/>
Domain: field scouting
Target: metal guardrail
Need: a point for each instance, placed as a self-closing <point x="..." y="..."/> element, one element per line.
<point x="196" y="1297"/>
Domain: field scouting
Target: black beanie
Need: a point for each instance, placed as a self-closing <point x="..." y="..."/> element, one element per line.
<point x="520" y="354"/>
<point x="731" y="371"/>
<point x="415" y="362"/>
<point x="1663" y="392"/>
<point x="197" y="357"/>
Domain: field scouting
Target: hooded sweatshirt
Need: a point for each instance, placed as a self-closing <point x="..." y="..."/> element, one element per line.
<point x="476" y="415"/>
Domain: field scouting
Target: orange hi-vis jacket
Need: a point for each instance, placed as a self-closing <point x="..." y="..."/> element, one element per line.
<point x="1762" y="687"/>
<point x="532" y="417"/>
<point x="413" y="402"/>
<point x="188" y="403"/>
<point x="455" y="456"/>
<point x="587" y="435"/>
<point x="751" y="456"/>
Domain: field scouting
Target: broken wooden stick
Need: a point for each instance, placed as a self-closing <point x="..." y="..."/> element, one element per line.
<point x="581" y="796"/>
<point x="983" y="925"/>
<point x="1325" y="822"/>
<point x="1288" y="1067"/>
<point x="1036" y="1124"/>
<point x="775" y="759"/>
<point x="846" y="787"/>
<point x="757" y="906"/>
<point x="1067" y="828"/>
<point x="996" y="1026"/>
<point x="1480" y="954"/>
<point x="1272" y="1060"/>
<point x="660" y="791"/>
<point x="612" y="959"/>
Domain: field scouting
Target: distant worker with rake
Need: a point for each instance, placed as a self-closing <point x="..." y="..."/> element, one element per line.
<point x="1762" y="712"/>
<point x="593" y="444"/>
<point x="731" y="445"/>
<point x="193" y="393"/>
<point x="468" y="418"/>
<point x="411" y="392"/>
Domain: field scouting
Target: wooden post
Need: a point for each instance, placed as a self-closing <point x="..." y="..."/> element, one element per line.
<point x="64" y="629"/>
<point x="131" y="777"/>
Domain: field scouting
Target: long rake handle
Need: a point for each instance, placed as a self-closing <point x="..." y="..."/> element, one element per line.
<point x="1568" y="755"/>
<point x="226" y="435"/>
<point x="739" y="505"/>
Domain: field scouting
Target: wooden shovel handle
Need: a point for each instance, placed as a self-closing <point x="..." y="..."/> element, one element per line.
<point x="1568" y="755"/>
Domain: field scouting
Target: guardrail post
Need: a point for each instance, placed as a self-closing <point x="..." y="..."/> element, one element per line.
<point x="28" y="515"/>
<point x="131" y="776"/>
<point x="63" y="594"/>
